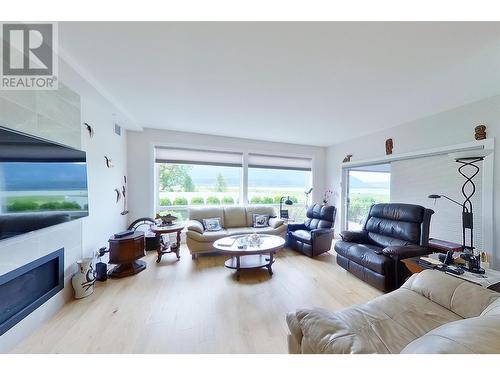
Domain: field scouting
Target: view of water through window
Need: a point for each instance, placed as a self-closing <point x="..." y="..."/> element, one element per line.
<point x="184" y="185"/>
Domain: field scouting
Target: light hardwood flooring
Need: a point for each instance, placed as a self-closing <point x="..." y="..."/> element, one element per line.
<point x="198" y="307"/>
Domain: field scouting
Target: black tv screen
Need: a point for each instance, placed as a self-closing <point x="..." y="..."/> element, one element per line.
<point x="41" y="183"/>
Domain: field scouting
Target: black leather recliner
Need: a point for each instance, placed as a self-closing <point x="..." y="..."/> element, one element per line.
<point x="392" y="231"/>
<point x="315" y="235"/>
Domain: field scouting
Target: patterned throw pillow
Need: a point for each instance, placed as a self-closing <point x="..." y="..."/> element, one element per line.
<point x="260" y="221"/>
<point x="212" y="224"/>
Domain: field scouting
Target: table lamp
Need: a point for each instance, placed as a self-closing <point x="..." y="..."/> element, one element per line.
<point x="287" y="201"/>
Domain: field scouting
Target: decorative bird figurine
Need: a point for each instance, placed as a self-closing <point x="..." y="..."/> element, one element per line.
<point x="118" y="195"/>
<point x="90" y="129"/>
<point x="109" y="162"/>
<point x="347" y="159"/>
<point x="124" y="193"/>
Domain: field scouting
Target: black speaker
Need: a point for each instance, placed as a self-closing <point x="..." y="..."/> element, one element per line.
<point x="101" y="271"/>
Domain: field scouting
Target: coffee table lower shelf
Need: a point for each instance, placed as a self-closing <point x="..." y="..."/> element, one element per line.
<point x="250" y="262"/>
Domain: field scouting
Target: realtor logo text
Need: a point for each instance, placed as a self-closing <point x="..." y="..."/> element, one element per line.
<point x="29" y="58"/>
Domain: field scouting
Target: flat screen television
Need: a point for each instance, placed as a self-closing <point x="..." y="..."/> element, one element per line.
<point x="42" y="183"/>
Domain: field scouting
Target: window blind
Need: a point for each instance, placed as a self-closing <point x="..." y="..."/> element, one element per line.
<point x="192" y="156"/>
<point x="413" y="180"/>
<point x="279" y="162"/>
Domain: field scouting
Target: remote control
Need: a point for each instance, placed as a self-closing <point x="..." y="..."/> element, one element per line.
<point x="124" y="233"/>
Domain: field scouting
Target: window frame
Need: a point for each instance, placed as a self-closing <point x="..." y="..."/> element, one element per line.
<point x="243" y="201"/>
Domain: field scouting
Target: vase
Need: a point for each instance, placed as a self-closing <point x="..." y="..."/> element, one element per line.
<point x="83" y="281"/>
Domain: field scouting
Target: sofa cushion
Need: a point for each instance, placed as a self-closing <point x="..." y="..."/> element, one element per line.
<point x="234" y="217"/>
<point x="213" y="224"/>
<point x="260" y="221"/>
<point x="395" y="224"/>
<point x="391" y="232"/>
<point x="366" y="256"/>
<point x="319" y="216"/>
<point x="207" y="236"/>
<point x="261" y="210"/>
<point x="462" y="297"/>
<point x="275" y="222"/>
<point x="239" y="230"/>
<point x="398" y="211"/>
<point x="480" y="335"/>
<point x="301" y="235"/>
<point x="270" y="230"/>
<point x="492" y="309"/>
<point x="195" y="225"/>
<point x="200" y="213"/>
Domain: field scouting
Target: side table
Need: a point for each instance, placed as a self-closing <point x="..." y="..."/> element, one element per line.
<point x="166" y="248"/>
<point x="125" y="252"/>
<point x="415" y="266"/>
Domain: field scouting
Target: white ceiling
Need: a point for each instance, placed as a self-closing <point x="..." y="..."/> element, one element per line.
<point x="307" y="83"/>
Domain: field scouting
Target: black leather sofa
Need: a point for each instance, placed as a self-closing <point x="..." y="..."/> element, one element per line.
<point x="315" y="235"/>
<point x="392" y="231"/>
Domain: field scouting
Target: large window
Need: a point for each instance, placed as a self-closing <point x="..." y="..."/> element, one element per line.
<point x="188" y="177"/>
<point x="272" y="177"/>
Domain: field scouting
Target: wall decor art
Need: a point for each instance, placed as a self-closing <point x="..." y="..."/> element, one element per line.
<point x="124" y="195"/>
<point x="389" y="145"/>
<point x="109" y="162"/>
<point x="118" y="195"/>
<point x="480" y="132"/>
<point x="347" y="159"/>
<point x="90" y="129"/>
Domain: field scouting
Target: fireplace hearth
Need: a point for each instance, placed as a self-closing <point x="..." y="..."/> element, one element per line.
<point x="26" y="288"/>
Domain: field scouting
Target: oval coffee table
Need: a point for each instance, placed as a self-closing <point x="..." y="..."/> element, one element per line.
<point x="250" y="257"/>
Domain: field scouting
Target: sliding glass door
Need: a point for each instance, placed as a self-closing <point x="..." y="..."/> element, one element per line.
<point x="366" y="185"/>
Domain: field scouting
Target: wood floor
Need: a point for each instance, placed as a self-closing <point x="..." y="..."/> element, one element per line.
<point x="197" y="307"/>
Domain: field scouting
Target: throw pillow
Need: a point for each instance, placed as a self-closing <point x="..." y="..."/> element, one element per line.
<point x="260" y="221"/>
<point x="212" y="224"/>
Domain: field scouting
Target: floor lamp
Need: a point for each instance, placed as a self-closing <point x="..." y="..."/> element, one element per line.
<point x="469" y="170"/>
<point x="307" y="196"/>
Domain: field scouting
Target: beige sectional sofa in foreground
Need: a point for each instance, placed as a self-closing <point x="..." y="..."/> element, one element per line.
<point x="431" y="313"/>
<point x="235" y="220"/>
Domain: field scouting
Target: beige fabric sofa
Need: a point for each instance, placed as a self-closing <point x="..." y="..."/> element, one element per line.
<point x="431" y="313"/>
<point x="235" y="220"/>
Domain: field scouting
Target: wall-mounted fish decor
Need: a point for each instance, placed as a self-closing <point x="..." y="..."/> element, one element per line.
<point x="124" y="194"/>
<point x="118" y="195"/>
<point x="109" y="162"/>
<point x="90" y="129"/>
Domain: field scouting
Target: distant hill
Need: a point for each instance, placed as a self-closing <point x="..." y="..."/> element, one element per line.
<point x="43" y="176"/>
<point x="356" y="183"/>
<point x="206" y="175"/>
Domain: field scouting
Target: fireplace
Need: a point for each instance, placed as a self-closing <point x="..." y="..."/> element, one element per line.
<point x="25" y="289"/>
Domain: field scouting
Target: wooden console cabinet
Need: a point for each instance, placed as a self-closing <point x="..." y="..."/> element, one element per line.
<point x="125" y="252"/>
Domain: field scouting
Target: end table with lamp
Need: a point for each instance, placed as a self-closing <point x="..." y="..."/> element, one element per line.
<point x="467" y="161"/>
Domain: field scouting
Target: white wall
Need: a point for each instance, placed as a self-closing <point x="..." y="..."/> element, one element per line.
<point x="140" y="158"/>
<point x="451" y="127"/>
<point x="58" y="115"/>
